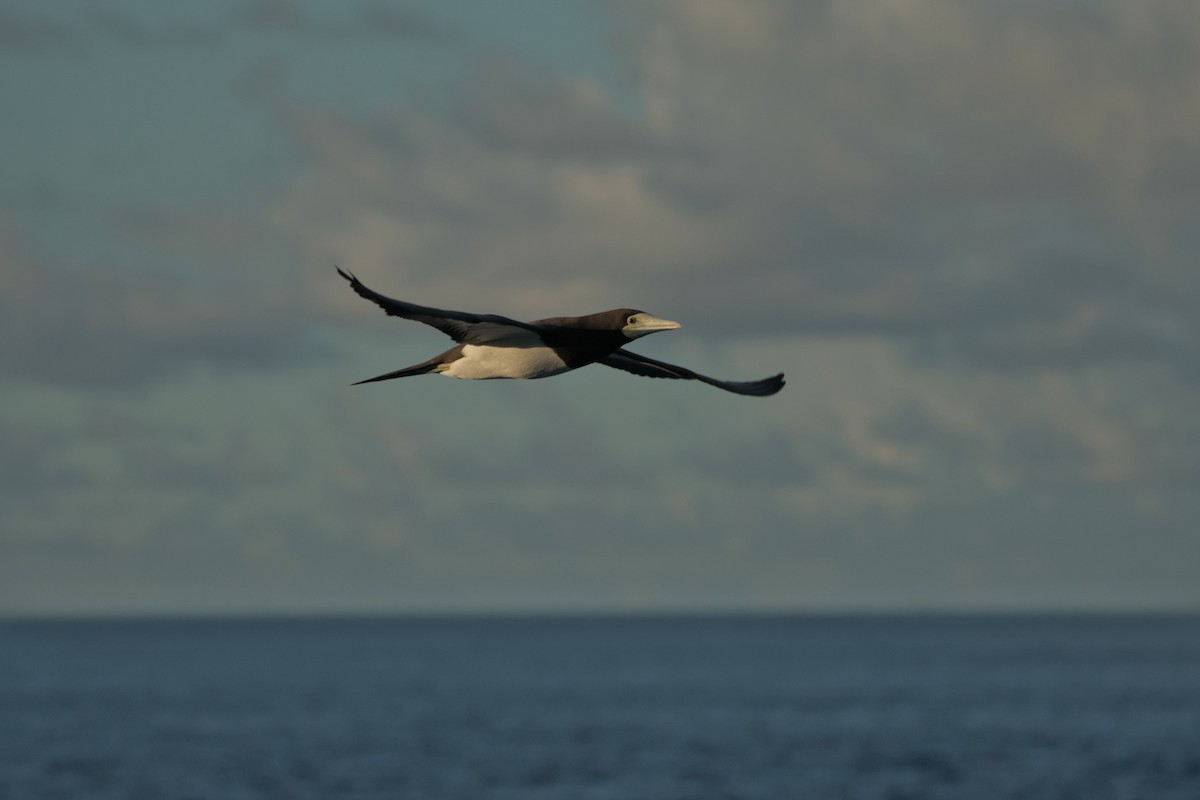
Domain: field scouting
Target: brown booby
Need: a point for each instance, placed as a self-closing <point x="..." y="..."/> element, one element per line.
<point x="491" y="346"/>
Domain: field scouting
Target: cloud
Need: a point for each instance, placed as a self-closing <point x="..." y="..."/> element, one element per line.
<point x="949" y="223"/>
<point x="528" y="191"/>
<point x="509" y="109"/>
<point x="405" y="22"/>
<point x="130" y="31"/>
<point x="29" y="33"/>
<point x="31" y="468"/>
<point x="366" y="19"/>
<point x="104" y="325"/>
<point x="882" y="154"/>
<point x="26" y="33"/>
<point x="972" y="183"/>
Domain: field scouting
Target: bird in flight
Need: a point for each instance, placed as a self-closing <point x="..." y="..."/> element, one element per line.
<point x="490" y="346"/>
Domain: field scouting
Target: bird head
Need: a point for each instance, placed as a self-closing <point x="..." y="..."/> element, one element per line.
<point x="634" y="323"/>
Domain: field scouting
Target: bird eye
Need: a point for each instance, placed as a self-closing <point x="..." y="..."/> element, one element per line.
<point x="632" y="320"/>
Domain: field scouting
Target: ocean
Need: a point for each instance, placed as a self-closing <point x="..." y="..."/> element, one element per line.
<point x="591" y="707"/>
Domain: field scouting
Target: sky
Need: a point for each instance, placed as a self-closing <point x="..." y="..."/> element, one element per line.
<point x="966" y="231"/>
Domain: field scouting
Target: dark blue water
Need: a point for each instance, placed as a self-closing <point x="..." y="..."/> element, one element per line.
<point x="628" y="708"/>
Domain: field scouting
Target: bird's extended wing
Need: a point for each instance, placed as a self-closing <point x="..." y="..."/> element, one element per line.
<point x="462" y="327"/>
<point x="648" y="367"/>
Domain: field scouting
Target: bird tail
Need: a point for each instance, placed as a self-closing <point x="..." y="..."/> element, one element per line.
<point x="423" y="368"/>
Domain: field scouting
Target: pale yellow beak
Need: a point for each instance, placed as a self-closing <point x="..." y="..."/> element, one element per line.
<point x="642" y="324"/>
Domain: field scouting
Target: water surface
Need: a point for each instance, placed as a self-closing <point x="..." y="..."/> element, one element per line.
<point x="602" y="707"/>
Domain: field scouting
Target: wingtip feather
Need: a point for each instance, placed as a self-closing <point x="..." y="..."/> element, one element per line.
<point x="767" y="386"/>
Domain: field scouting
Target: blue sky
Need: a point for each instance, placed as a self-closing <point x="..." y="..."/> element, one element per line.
<point x="966" y="232"/>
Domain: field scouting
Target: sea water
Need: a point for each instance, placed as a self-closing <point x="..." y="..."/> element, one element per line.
<point x="668" y="708"/>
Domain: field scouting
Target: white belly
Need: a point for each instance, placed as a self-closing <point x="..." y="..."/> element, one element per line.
<point x="482" y="362"/>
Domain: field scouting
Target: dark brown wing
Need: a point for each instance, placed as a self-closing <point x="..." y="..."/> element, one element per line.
<point x="640" y="365"/>
<point x="462" y="327"/>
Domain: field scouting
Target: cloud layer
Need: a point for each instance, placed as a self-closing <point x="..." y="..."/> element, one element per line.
<point x="964" y="230"/>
